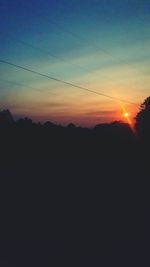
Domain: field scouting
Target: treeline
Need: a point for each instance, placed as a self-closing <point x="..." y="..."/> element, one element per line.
<point x="83" y="192"/>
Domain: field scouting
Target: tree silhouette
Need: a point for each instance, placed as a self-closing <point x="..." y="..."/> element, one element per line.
<point x="84" y="188"/>
<point x="6" y="116"/>
<point x="142" y="124"/>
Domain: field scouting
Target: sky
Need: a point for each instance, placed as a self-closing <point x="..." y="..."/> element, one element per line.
<point x="96" y="44"/>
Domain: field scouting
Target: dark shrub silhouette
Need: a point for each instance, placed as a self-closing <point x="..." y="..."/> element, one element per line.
<point x="24" y="122"/>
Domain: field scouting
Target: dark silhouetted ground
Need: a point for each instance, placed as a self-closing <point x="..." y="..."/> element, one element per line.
<point x="73" y="196"/>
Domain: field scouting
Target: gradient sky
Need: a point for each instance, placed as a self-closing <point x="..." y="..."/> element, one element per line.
<point x="103" y="45"/>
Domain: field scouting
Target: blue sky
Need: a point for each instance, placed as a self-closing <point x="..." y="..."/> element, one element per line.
<point x="101" y="45"/>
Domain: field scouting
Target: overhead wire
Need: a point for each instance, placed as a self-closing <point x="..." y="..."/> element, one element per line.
<point x="65" y="82"/>
<point x="79" y="38"/>
<point x="60" y="58"/>
<point x="75" y="35"/>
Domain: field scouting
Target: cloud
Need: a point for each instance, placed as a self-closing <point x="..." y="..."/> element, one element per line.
<point x="101" y="114"/>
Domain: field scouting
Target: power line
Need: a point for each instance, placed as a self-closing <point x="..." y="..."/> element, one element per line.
<point x="76" y="36"/>
<point x="65" y="82"/>
<point x="52" y="55"/>
<point x="44" y="16"/>
<point x="80" y="39"/>
<point x="58" y="57"/>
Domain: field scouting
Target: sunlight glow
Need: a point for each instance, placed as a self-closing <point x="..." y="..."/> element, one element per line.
<point x="126" y="114"/>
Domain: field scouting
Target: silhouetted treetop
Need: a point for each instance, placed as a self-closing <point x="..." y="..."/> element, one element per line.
<point x="6" y="116"/>
<point x="71" y="126"/>
<point x="142" y="124"/>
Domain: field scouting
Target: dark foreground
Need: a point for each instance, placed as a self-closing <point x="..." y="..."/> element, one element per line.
<point x="73" y="197"/>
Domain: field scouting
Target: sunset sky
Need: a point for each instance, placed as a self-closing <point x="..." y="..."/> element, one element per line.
<point x="102" y="45"/>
